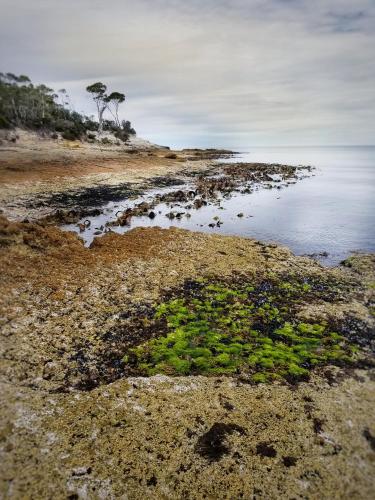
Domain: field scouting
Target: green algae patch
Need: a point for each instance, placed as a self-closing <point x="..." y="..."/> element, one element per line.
<point x="219" y="328"/>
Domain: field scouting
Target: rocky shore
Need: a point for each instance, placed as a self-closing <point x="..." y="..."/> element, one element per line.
<point x="39" y="175"/>
<point x="92" y="407"/>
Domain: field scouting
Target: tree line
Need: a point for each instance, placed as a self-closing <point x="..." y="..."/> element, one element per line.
<point x="38" y="107"/>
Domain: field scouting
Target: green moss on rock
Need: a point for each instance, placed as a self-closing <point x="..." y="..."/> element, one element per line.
<point x="222" y="329"/>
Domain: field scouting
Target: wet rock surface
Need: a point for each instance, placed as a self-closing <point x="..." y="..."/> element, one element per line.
<point x="75" y="424"/>
<point x="74" y="420"/>
<point x="40" y="176"/>
<point x="197" y="189"/>
<point x="86" y="198"/>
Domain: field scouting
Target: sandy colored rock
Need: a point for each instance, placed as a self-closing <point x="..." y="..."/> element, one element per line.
<point x="142" y="437"/>
<point x="72" y="427"/>
<point x="37" y="166"/>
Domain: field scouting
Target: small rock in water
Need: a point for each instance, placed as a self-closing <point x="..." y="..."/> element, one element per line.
<point x="240" y="214"/>
<point x="198" y="203"/>
<point x="316" y="255"/>
<point x="143" y="207"/>
<point x="152" y="215"/>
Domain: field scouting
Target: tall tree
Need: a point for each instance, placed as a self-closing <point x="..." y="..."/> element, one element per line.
<point x="98" y="91"/>
<point x="114" y="100"/>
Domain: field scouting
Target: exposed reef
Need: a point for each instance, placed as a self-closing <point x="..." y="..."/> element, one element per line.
<point x="76" y="422"/>
<point x="173" y="364"/>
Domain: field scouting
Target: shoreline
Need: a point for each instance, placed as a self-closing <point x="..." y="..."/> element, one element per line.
<point x="73" y="421"/>
<point x="37" y="168"/>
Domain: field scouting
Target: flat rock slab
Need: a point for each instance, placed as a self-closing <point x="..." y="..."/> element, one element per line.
<point x="163" y="437"/>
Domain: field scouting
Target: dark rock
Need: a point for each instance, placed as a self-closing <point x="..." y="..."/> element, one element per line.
<point x="266" y="450"/>
<point x="289" y="461"/>
<point x="369" y="438"/>
<point x="212" y="445"/>
<point x="318" y="425"/>
<point x="152" y="481"/>
<point x="198" y="203"/>
<point x="144" y="207"/>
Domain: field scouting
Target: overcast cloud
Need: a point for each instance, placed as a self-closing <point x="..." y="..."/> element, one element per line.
<point x="210" y="72"/>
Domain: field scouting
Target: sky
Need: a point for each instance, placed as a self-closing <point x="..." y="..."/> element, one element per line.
<point x="208" y="73"/>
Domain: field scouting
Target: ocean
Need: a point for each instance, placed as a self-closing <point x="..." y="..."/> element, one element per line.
<point x="330" y="213"/>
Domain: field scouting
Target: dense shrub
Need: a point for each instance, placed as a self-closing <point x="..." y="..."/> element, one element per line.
<point x="4" y="122"/>
<point x="91" y="125"/>
<point x="122" y="135"/>
<point x="37" y="107"/>
<point x="105" y="140"/>
<point x="70" y="135"/>
<point x="109" y="126"/>
<point x="127" y="127"/>
<point x="61" y="125"/>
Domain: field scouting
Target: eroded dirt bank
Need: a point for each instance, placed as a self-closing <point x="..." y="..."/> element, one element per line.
<point x="74" y="425"/>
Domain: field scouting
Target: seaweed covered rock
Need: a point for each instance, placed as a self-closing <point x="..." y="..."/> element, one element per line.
<point x="242" y="328"/>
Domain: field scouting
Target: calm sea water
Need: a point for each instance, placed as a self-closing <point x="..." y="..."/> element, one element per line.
<point x="333" y="211"/>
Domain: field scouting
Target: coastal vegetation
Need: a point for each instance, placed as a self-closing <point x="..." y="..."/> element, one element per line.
<point x="105" y="101"/>
<point x="39" y="108"/>
<point x="226" y="328"/>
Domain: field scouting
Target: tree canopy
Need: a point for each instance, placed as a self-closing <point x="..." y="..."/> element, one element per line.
<point x="104" y="101"/>
<point x="38" y="107"/>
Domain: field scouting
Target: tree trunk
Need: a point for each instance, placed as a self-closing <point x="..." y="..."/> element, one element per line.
<point x="100" y="116"/>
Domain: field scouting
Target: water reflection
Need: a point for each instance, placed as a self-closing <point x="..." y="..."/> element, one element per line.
<point x="331" y="212"/>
